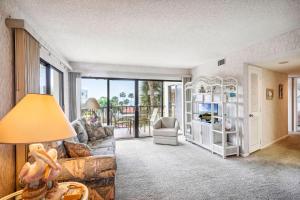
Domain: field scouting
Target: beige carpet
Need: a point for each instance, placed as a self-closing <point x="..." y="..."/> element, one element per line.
<point x="149" y="171"/>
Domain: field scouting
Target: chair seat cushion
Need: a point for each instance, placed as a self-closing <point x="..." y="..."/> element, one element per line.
<point x="169" y="132"/>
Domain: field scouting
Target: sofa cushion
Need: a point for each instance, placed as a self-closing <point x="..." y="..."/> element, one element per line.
<point x="95" y="131"/>
<point x="103" y="151"/>
<point x="168" y="122"/>
<point x="169" y="132"/>
<point x="109" y="130"/>
<point x="80" y="130"/>
<point x="105" y="142"/>
<point x="75" y="150"/>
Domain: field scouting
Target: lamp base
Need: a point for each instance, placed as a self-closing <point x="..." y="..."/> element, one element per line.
<point x="39" y="175"/>
<point x="35" y="193"/>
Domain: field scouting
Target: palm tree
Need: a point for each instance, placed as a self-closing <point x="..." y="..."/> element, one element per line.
<point x="122" y="95"/>
<point x="114" y="101"/>
<point x="131" y="96"/>
<point x="126" y="102"/>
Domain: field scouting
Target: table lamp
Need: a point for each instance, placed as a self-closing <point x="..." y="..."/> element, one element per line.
<point x="93" y="105"/>
<point x="37" y="118"/>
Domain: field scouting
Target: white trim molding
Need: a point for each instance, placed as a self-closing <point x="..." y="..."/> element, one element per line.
<point x="273" y="142"/>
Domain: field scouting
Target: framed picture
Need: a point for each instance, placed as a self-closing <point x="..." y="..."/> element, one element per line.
<point x="269" y="94"/>
<point x="280" y="91"/>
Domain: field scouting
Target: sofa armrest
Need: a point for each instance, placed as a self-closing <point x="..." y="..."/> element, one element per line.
<point x="157" y="124"/>
<point x="87" y="168"/>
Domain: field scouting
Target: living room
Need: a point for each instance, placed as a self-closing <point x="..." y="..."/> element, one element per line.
<point x="149" y="99"/>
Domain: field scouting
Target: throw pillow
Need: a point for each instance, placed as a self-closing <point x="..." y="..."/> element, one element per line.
<point x="109" y="130"/>
<point x="95" y="131"/>
<point x="81" y="132"/>
<point x="75" y="150"/>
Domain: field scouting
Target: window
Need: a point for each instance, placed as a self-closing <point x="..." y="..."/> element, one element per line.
<point x="51" y="82"/>
<point x="94" y="88"/>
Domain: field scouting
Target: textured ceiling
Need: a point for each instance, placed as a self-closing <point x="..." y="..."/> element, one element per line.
<point x="170" y="33"/>
<point x="290" y="66"/>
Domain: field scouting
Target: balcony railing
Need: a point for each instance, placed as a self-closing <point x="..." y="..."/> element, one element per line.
<point x="120" y="116"/>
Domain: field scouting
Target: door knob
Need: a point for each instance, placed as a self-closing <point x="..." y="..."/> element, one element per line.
<point x="250" y="115"/>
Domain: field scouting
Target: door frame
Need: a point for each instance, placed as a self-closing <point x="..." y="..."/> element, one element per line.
<point x="260" y="93"/>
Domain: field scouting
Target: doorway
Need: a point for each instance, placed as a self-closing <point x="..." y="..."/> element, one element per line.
<point x="255" y="108"/>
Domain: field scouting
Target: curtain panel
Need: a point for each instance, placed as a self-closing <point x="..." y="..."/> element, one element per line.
<point x="74" y="101"/>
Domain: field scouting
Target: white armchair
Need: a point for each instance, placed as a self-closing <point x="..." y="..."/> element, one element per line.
<point x="165" y="131"/>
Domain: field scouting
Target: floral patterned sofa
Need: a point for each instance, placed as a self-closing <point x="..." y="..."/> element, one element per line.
<point x="97" y="167"/>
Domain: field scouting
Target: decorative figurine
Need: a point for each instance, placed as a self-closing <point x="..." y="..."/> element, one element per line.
<point x="39" y="176"/>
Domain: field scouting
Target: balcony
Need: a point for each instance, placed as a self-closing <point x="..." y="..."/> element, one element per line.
<point x="123" y="119"/>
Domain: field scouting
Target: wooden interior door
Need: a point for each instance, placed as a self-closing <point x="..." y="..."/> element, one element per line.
<point x="255" y="104"/>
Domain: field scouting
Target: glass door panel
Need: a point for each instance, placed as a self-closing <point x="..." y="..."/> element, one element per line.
<point x="122" y="107"/>
<point x="56" y="85"/>
<point x="173" y="100"/>
<point x="43" y="79"/>
<point x="94" y="88"/>
<point x="298" y="105"/>
<point x="150" y="102"/>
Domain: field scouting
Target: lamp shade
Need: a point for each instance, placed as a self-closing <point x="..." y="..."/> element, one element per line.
<point x="36" y="118"/>
<point x="92" y="104"/>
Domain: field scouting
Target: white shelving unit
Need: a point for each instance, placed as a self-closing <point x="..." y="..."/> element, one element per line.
<point x="225" y="134"/>
<point x="188" y="111"/>
<point x="221" y="135"/>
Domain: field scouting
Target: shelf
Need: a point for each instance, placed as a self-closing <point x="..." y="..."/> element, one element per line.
<point x="217" y="131"/>
<point x="230" y="132"/>
<point x="229" y="145"/>
<point x="217" y="117"/>
<point x="221" y="132"/>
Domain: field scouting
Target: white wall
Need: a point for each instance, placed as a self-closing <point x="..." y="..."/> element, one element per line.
<point x="236" y="66"/>
<point x="7" y="152"/>
<point x="9" y="8"/>
<point x="274" y="112"/>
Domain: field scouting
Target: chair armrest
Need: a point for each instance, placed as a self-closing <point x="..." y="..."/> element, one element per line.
<point x="157" y="124"/>
<point x="87" y="168"/>
<point x="177" y="126"/>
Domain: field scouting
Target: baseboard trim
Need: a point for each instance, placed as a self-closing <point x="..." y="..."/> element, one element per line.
<point x="277" y="140"/>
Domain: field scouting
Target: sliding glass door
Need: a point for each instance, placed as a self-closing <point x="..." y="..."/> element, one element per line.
<point x="150" y="105"/>
<point x="173" y="100"/>
<point x="132" y="106"/>
<point x="122" y="107"/>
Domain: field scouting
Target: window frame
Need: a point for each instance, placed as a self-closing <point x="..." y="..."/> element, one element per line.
<point x="50" y="67"/>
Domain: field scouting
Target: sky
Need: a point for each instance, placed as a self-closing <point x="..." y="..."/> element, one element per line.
<point x="98" y="87"/>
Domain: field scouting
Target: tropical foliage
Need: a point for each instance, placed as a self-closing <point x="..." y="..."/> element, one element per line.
<point x="150" y="95"/>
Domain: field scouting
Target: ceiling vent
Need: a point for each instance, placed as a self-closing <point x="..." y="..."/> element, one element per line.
<point x="221" y="62"/>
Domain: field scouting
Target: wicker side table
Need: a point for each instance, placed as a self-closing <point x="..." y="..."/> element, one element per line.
<point x="17" y="195"/>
